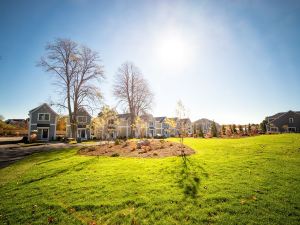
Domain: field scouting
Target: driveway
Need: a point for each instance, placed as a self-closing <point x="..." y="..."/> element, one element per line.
<point x="14" y="152"/>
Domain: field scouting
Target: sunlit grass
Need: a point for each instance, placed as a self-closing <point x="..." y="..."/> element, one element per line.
<point x="234" y="181"/>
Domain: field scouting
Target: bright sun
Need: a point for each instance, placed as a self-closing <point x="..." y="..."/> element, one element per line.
<point x="173" y="51"/>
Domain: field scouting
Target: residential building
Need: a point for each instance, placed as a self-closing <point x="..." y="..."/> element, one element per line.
<point x="83" y="120"/>
<point x="283" y="122"/>
<point x="19" y="123"/>
<point x="42" y="122"/>
<point x="146" y="126"/>
<point x="205" y="125"/>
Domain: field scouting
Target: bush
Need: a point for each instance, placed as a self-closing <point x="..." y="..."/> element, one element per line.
<point x="115" y="155"/>
<point x="117" y="142"/>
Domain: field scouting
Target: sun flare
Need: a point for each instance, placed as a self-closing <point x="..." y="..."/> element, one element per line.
<point x="173" y="50"/>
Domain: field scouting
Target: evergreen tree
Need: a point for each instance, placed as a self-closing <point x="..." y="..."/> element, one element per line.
<point x="263" y="126"/>
<point x="201" y="134"/>
<point x="213" y="128"/>
<point x="240" y="129"/>
<point x="249" y="129"/>
<point x="223" y="130"/>
<point x="234" y="129"/>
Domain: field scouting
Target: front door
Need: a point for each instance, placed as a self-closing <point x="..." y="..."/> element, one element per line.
<point x="292" y="129"/>
<point x="43" y="133"/>
<point x="82" y="134"/>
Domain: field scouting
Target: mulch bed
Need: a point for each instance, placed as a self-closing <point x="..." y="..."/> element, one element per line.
<point x="134" y="148"/>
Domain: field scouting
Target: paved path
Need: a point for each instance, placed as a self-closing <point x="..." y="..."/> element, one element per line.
<point x="14" y="152"/>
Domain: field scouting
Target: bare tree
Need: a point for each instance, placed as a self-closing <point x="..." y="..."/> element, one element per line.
<point x="133" y="91"/>
<point x="182" y="126"/>
<point x="76" y="68"/>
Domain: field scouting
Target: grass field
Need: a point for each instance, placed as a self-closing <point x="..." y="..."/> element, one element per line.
<point x="228" y="181"/>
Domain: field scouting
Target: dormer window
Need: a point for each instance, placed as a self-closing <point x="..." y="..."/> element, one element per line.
<point x="291" y="120"/>
<point x="43" y="116"/>
<point x="81" y="119"/>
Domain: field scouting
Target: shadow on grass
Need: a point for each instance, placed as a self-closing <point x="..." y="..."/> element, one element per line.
<point x="77" y="167"/>
<point x="189" y="180"/>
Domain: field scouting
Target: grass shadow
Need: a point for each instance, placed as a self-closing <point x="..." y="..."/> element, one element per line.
<point x="189" y="180"/>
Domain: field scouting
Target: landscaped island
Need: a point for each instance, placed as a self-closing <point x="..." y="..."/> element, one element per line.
<point x="227" y="181"/>
<point x="142" y="148"/>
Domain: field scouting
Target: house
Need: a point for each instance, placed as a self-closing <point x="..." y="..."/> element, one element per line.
<point x="83" y="120"/>
<point x="19" y="123"/>
<point x="205" y="124"/>
<point x="283" y="122"/>
<point x="161" y="128"/>
<point x="145" y="126"/>
<point x="186" y="125"/>
<point x="42" y="121"/>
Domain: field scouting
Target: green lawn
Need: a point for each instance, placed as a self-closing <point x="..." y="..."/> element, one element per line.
<point x="228" y="181"/>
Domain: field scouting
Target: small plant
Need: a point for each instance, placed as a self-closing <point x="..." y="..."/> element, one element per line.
<point x="117" y="142"/>
<point x="162" y="141"/>
<point x="115" y="155"/>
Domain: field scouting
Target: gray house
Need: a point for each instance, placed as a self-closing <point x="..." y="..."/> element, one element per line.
<point x="284" y="122"/>
<point x="42" y="121"/>
<point x="84" y="120"/>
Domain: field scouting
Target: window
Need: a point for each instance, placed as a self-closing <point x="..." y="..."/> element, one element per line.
<point x="81" y="119"/>
<point x="43" y="116"/>
<point x="291" y="120"/>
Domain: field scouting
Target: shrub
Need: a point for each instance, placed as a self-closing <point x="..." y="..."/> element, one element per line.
<point x="115" y="155"/>
<point x="117" y="142"/>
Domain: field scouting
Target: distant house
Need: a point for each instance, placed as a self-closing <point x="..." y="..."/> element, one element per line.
<point x="205" y="124"/>
<point x="83" y="119"/>
<point x="42" y="121"/>
<point x="161" y="128"/>
<point x="19" y="123"/>
<point x="283" y="122"/>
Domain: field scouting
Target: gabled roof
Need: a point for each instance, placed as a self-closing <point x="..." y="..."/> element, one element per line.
<point x="160" y="119"/>
<point x="84" y="110"/>
<point x="185" y="120"/>
<point x="44" y="104"/>
<point x="124" y="116"/>
<point x="147" y="117"/>
<point x="278" y="115"/>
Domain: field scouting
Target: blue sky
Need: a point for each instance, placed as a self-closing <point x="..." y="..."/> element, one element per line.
<point x="231" y="61"/>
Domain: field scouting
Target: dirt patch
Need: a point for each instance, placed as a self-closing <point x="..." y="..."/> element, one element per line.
<point x="144" y="149"/>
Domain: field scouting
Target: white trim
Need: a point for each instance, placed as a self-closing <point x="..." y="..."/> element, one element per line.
<point x="291" y="119"/>
<point x="282" y="115"/>
<point x="29" y="127"/>
<point x="41" y="128"/>
<point x="38" y="118"/>
<point x="292" y="127"/>
<point x="44" y="104"/>
<point x="54" y="135"/>
<point x="85" y="136"/>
